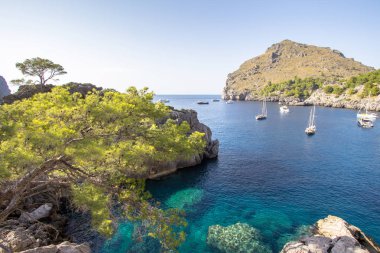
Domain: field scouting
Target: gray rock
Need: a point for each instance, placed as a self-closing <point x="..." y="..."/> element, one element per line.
<point x="4" y="89"/>
<point x="333" y="235"/>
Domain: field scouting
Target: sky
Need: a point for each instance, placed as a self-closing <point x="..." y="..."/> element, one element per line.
<point x="176" y="47"/>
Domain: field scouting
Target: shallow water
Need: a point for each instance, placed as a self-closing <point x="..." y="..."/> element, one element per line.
<point x="272" y="176"/>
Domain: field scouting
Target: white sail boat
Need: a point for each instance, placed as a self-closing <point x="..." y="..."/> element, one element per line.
<point x="311" y="128"/>
<point x="366" y="119"/>
<point x="263" y="114"/>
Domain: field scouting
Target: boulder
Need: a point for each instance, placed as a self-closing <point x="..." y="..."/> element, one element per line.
<point x="333" y="235"/>
<point x="237" y="238"/>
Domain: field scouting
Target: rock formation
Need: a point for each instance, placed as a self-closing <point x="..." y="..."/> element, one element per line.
<point x="4" y="89"/>
<point x="237" y="238"/>
<point x="333" y="235"/>
<point x="211" y="150"/>
<point x="285" y="60"/>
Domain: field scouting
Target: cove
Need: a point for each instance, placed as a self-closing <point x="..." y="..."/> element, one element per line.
<point x="272" y="176"/>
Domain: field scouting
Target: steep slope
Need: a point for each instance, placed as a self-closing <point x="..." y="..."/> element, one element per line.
<point x="285" y="60"/>
<point x="4" y="89"/>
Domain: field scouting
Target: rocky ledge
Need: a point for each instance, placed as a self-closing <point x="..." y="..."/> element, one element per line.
<point x="333" y="235"/>
<point x="210" y="152"/>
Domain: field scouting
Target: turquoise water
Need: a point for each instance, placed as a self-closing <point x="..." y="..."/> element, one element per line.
<point x="272" y="176"/>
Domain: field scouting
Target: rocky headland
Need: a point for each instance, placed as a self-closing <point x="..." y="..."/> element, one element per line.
<point x="52" y="224"/>
<point x="256" y="78"/>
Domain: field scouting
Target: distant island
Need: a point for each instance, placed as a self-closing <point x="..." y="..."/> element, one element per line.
<point x="300" y="74"/>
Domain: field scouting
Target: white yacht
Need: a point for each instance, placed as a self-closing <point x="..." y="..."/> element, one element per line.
<point x="284" y="109"/>
<point x="366" y="116"/>
<point x="365" y="122"/>
<point x="229" y="102"/>
<point x="311" y="128"/>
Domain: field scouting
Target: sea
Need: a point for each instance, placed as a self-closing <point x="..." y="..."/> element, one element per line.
<point x="270" y="175"/>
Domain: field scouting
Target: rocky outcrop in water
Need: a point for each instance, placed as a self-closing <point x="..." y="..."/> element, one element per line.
<point x="211" y="150"/>
<point x="237" y="238"/>
<point x="333" y="235"/>
<point x="4" y="89"/>
<point x="285" y="60"/>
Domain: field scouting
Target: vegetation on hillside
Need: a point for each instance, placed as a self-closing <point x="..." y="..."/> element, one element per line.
<point x="297" y="87"/>
<point x="102" y="146"/>
<point x="302" y="88"/>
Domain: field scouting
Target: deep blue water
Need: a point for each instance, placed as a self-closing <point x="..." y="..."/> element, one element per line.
<point x="272" y="176"/>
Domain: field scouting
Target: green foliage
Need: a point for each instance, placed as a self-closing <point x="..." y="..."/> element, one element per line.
<point x="92" y="198"/>
<point x="103" y="145"/>
<point x="43" y="69"/>
<point x="351" y="91"/>
<point x="363" y="79"/>
<point x="337" y="90"/>
<point x="370" y="81"/>
<point x="297" y="87"/>
<point x="328" y="89"/>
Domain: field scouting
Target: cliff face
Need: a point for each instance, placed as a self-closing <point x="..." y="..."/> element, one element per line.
<point x="211" y="150"/>
<point x="4" y="89"/>
<point x="285" y="60"/>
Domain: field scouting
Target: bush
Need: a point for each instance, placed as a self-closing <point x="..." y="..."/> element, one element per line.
<point x="337" y="90"/>
<point x="351" y="91"/>
<point x="328" y="89"/>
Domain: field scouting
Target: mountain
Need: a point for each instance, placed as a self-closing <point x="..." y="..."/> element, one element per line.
<point x="4" y="89"/>
<point x="289" y="60"/>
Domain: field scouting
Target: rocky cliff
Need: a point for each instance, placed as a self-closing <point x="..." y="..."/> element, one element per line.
<point x="211" y="149"/>
<point x="4" y="89"/>
<point x="285" y="60"/>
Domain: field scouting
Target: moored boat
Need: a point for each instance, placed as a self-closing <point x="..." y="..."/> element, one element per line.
<point x="311" y="128"/>
<point x="202" y="102"/>
<point x="263" y="114"/>
<point x="284" y="109"/>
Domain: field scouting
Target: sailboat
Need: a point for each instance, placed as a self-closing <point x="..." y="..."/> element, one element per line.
<point x="263" y="114"/>
<point x="311" y="128"/>
<point x="366" y="119"/>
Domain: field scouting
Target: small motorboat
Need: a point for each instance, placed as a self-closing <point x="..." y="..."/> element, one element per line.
<point x="230" y="102"/>
<point x="215" y="100"/>
<point x="202" y="102"/>
<point x="164" y="100"/>
<point x="284" y="109"/>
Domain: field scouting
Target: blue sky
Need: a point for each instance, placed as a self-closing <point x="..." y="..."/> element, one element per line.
<point x="176" y="47"/>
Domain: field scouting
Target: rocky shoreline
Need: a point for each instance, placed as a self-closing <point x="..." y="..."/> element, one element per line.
<point x="318" y="98"/>
<point x="333" y="235"/>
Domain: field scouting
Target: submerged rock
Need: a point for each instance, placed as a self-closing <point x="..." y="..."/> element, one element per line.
<point x="334" y="235"/>
<point x="184" y="198"/>
<point x="237" y="238"/>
